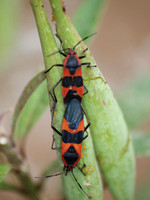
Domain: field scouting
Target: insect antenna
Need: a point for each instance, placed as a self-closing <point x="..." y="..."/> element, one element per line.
<point x="84" y="39"/>
<point x="49" y="176"/>
<point x="58" y="52"/>
<point x="80" y="185"/>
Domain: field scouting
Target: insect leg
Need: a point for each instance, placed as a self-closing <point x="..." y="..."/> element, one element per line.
<point x="83" y="53"/>
<point x="86" y="135"/>
<point x="88" y="64"/>
<point x="54" y="95"/>
<point x="82" y="57"/>
<point x="85" y="89"/>
<point x="53" y="110"/>
<point x="59" y="133"/>
<point x="52" y="146"/>
<point x="81" y="168"/>
<point x="80" y="185"/>
<point x="89" y="123"/>
<point x="60" y="43"/>
<point x="56" y="65"/>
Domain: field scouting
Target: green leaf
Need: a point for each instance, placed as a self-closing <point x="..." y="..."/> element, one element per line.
<point x="135" y="101"/>
<point x="87" y="16"/>
<point x="30" y="106"/>
<point x="141" y="144"/>
<point x="4" y="169"/>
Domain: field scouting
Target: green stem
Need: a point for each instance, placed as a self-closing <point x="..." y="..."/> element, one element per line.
<point x="91" y="183"/>
<point x="110" y="135"/>
<point x="48" y="47"/>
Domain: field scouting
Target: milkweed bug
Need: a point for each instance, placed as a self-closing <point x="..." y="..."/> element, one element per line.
<point x="72" y="133"/>
<point x="72" y="81"/>
<point x="72" y="137"/>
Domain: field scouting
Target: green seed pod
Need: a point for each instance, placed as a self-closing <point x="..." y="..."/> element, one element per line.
<point x="112" y="143"/>
<point x="91" y="183"/>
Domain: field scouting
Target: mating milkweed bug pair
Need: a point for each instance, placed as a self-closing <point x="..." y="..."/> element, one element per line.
<point x="73" y="123"/>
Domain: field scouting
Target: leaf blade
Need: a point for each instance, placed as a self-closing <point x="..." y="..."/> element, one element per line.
<point x="88" y="14"/>
<point x="26" y="112"/>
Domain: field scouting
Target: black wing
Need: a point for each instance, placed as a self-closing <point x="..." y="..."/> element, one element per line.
<point x="73" y="114"/>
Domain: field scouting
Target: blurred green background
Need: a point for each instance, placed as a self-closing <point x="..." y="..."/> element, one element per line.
<point x="121" y="49"/>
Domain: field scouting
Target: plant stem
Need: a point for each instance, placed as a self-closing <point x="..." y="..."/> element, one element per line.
<point x="110" y="135"/>
<point x="91" y="183"/>
<point x="49" y="46"/>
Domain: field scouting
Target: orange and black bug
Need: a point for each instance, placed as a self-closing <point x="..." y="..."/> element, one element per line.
<point x="72" y="81"/>
<point x="72" y="137"/>
<point x="72" y="133"/>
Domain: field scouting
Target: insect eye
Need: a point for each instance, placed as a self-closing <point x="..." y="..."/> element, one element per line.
<point x="74" y="52"/>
